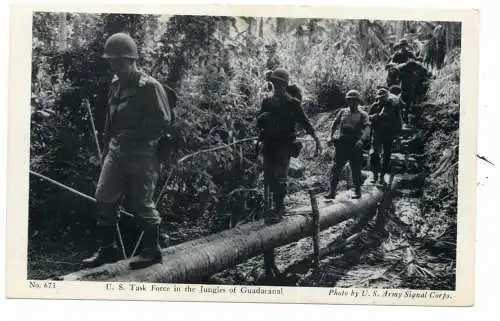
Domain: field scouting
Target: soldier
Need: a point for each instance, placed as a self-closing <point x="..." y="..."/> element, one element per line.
<point x="392" y="74"/>
<point x="397" y="92"/>
<point x="277" y="120"/>
<point x="138" y="113"/>
<point x="385" y="116"/>
<point x="402" y="54"/>
<point x="354" y="132"/>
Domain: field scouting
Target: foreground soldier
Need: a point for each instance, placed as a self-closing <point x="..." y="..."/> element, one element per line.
<point x="354" y="125"/>
<point x="385" y="116"/>
<point x="277" y="120"/>
<point x="138" y="112"/>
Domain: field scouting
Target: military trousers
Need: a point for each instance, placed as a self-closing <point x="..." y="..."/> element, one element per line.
<point x="346" y="153"/>
<point x="276" y="163"/>
<point x="132" y="177"/>
<point x="381" y="142"/>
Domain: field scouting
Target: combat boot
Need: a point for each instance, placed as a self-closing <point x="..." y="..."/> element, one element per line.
<point x="275" y="217"/>
<point x="151" y="254"/>
<point x="107" y="251"/>
<point x="330" y="195"/>
<point x="333" y="190"/>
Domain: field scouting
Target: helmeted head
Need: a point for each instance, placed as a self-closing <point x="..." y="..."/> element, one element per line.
<point x="391" y="67"/>
<point x="353" y="98"/>
<point x="382" y="94"/>
<point x="280" y="78"/>
<point x="121" y="51"/>
<point x="402" y="44"/>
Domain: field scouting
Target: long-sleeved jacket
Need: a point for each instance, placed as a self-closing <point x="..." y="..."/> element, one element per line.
<point x="138" y="113"/>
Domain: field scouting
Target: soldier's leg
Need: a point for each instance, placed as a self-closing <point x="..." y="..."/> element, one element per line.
<point x="375" y="157"/>
<point x="109" y="193"/>
<point x="355" y="162"/>
<point x="142" y="172"/>
<point x="386" y="165"/>
<point x="283" y="162"/>
<point x="339" y="162"/>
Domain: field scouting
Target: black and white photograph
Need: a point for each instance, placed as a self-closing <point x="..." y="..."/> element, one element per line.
<point x="261" y="152"/>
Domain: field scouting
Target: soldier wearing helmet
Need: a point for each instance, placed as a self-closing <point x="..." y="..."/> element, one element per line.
<point x="385" y="116"/>
<point x="349" y="132"/>
<point x="137" y="114"/>
<point x="403" y="53"/>
<point x="278" y="117"/>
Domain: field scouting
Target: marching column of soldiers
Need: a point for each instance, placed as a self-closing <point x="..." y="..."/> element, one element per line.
<point x="139" y="112"/>
<point x="351" y="130"/>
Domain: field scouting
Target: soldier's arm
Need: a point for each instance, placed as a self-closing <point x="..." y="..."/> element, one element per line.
<point x="399" y="117"/>
<point x="335" y="123"/>
<point x="156" y="110"/>
<point x="372" y="113"/>
<point x="106" y="135"/>
<point x="365" y="131"/>
<point x="303" y="120"/>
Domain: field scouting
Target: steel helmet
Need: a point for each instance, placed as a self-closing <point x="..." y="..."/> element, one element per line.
<point x="281" y="75"/>
<point x="353" y="94"/>
<point x="120" y="45"/>
<point x="382" y="92"/>
<point x="402" y="43"/>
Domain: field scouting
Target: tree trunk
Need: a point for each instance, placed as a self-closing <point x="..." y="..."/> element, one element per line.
<point x="280" y="26"/>
<point x="62" y="43"/>
<point x="261" y="27"/>
<point x="200" y="258"/>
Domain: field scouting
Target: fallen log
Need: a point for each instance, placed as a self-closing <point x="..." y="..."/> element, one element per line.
<point x="197" y="259"/>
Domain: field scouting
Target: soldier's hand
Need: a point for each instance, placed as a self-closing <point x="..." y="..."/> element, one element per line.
<point x="359" y="144"/>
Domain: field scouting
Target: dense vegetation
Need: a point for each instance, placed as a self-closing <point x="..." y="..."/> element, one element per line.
<point x="217" y="66"/>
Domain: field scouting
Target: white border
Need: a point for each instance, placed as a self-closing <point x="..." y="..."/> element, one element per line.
<point x="465" y="134"/>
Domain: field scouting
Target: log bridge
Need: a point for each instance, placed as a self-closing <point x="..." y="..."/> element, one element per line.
<point x="197" y="259"/>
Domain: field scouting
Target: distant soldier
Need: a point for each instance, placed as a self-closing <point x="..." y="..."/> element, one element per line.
<point x="277" y="122"/>
<point x="403" y="53"/>
<point x="397" y="92"/>
<point x="392" y="74"/>
<point x="385" y="117"/>
<point x="349" y="132"/>
<point x="137" y="115"/>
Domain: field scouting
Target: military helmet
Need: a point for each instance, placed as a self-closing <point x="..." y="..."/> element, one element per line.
<point x="353" y="94"/>
<point x="281" y="74"/>
<point x="402" y="43"/>
<point x="391" y="67"/>
<point x="382" y="92"/>
<point x="120" y="45"/>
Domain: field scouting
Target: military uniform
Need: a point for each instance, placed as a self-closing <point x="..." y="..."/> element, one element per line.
<point x="386" y="122"/>
<point x="138" y="112"/>
<point x="277" y="120"/>
<point x="137" y="115"/>
<point x="278" y="139"/>
<point x="347" y="130"/>
<point x="402" y="56"/>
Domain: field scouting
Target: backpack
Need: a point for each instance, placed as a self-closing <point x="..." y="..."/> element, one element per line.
<point x="274" y="123"/>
